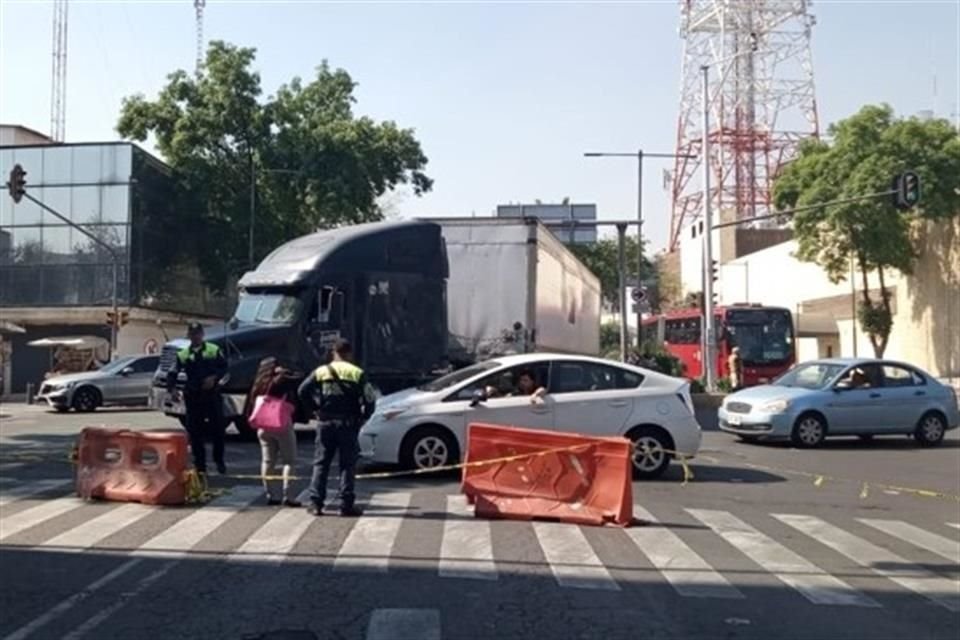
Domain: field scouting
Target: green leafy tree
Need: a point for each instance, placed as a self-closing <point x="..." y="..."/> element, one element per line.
<point x="601" y="258"/>
<point x="865" y="152"/>
<point x="313" y="162"/>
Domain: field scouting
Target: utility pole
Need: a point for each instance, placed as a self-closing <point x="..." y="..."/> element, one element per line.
<point x="710" y="338"/>
<point x="640" y="155"/>
<point x="622" y="287"/>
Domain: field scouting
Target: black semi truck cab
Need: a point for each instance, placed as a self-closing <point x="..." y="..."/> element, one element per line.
<point x="381" y="285"/>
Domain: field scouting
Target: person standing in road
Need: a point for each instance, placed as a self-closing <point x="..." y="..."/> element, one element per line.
<point x="735" y="365"/>
<point x="343" y="400"/>
<point x="204" y="365"/>
<point x="279" y="444"/>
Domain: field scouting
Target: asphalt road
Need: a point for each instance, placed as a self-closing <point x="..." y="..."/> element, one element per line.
<point x="753" y="547"/>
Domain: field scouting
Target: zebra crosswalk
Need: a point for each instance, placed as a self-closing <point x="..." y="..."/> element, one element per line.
<point x="824" y="562"/>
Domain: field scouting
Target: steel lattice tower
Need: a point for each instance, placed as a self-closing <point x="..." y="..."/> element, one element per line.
<point x="58" y="86"/>
<point x="762" y="102"/>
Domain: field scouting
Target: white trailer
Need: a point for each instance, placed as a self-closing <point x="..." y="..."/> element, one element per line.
<point x="514" y="287"/>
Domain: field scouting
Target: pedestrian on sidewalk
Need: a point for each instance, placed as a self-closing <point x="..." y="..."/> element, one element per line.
<point x="278" y="443"/>
<point x="343" y="400"/>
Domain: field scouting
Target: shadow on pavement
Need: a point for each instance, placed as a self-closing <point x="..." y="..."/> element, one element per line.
<point x="213" y="596"/>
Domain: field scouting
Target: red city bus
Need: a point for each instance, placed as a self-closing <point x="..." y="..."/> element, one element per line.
<point x="764" y="334"/>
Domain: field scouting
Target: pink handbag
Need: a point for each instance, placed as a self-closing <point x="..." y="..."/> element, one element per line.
<point x="271" y="414"/>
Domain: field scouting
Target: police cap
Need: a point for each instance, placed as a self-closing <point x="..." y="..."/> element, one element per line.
<point x="194" y="328"/>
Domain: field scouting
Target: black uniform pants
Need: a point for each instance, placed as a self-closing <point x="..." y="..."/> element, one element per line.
<point x="205" y="422"/>
<point x="335" y="438"/>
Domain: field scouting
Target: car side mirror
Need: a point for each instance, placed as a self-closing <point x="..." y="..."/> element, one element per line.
<point x="126" y="372"/>
<point x="478" y="397"/>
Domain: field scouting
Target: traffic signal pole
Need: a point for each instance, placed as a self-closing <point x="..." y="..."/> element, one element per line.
<point x="710" y="338"/>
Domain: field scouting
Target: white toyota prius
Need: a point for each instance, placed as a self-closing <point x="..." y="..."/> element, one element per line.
<point x="427" y="426"/>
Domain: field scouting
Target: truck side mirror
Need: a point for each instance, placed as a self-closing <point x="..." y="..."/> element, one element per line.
<point x="325" y="303"/>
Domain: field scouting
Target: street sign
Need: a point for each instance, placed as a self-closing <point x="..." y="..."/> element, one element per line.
<point x="638" y="294"/>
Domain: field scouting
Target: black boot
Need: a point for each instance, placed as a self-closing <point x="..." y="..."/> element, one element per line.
<point x="351" y="511"/>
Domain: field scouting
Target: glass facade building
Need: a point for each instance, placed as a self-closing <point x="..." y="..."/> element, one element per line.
<point x="120" y="194"/>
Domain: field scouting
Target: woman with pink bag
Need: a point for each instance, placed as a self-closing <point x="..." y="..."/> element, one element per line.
<point x="273" y="418"/>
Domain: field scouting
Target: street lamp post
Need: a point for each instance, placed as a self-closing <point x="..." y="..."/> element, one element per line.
<point x="640" y="155"/>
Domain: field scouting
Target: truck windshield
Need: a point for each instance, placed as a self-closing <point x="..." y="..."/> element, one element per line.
<point x="268" y="308"/>
<point x="765" y="336"/>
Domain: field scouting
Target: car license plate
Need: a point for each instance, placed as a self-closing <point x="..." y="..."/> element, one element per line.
<point x="734" y="420"/>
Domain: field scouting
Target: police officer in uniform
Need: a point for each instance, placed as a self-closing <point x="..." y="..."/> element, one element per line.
<point x="343" y="400"/>
<point x="204" y="364"/>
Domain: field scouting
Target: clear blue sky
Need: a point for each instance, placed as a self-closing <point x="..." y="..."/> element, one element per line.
<point x="505" y="98"/>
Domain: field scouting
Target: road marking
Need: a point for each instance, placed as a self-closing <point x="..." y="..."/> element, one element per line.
<point x="172" y="543"/>
<point x="404" y="624"/>
<point x="33" y="516"/>
<point x="681" y="566"/>
<point x="69" y="603"/>
<point x="571" y="558"/>
<point x="34" y="487"/>
<point x="106" y="612"/>
<point x="176" y="541"/>
<point x="370" y="543"/>
<point x="93" y="531"/>
<point x="944" y="547"/>
<point x="944" y="592"/>
<point x="955" y="525"/>
<point x="815" y="584"/>
<point x="467" y="548"/>
<point x="275" y="539"/>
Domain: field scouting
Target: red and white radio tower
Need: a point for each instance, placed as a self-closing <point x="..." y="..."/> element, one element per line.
<point x="762" y="103"/>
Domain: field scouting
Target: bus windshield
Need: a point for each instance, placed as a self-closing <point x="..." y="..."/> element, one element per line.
<point x="765" y="336"/>
<point x="268" y="308"/>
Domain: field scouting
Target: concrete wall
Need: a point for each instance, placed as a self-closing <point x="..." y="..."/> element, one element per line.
<point x="928" y="302"/>
<point x="15" y="134"/>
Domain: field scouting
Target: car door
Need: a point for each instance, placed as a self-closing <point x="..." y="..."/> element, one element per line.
<point x="504" y="407"/>
<point x="128" y="383"/>
<point x="904" y="397"/>
<point x="857" y="408"/>
<point x="589" y="398"/>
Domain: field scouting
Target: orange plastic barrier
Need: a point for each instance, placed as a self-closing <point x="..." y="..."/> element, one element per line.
<point x="573" y="479"/>
<point x="131" y="466"/>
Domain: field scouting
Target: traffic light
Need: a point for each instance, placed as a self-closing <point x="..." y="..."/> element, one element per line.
<point x="119" y="319"/>
<point x="906" y="188"/>
<point x="17" y="183"/>
<point x="714" y="271"/>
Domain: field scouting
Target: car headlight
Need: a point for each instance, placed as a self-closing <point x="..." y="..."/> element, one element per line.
<point x="392" y="412"/>
<point x="775" y="406"/>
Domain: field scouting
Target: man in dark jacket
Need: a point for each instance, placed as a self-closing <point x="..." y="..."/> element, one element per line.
<point x="204" y="365"/>
<point x="343" y="400"/>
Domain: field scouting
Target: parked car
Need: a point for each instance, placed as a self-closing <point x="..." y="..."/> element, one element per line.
<point x="840" y="397"/>
<point x="427" y="426"/>
<point x="125" y="381"/>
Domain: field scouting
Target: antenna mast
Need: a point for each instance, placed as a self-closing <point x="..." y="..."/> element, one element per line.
<point x="198" y="5"/>
<point x="58" y="87"/>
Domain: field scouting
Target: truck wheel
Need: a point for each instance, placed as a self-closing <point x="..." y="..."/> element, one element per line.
<point x="429" y="447"/>
<point x="86" y="400"/>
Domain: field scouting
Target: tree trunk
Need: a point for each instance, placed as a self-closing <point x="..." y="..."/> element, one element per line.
<point x="865" y="292"/>
<point x="885" y="297"/>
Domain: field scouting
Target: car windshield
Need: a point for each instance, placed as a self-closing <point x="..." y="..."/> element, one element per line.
<point x="268" y="308"/>
<point x="117" y="365"/>
<point x="458" y="376"/>
<point x="765" y="336"/>
<point x="813" y="375"/>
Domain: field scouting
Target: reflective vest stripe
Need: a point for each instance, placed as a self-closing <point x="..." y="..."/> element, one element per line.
<point x="346" y="371"/>
<point x="209" y="352"/>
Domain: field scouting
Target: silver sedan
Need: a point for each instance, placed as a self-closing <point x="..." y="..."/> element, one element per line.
<point x="125" y="381"/>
